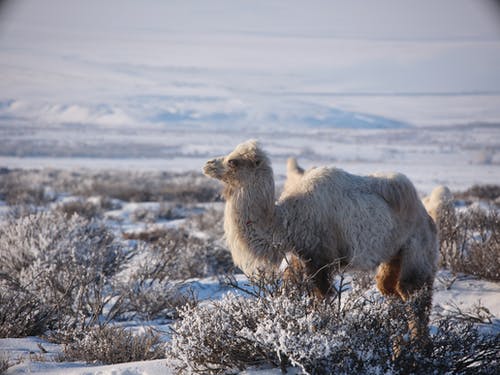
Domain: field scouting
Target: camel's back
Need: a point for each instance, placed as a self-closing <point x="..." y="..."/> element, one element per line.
<point x="341" y="189"/>
<point x="356" y="213"/>
<point x="326" y="184"/>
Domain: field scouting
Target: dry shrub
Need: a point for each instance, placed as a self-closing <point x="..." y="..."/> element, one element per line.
<point x="66" y="264"/>
<point x="175" y="254"/>
<point x="82" y="208"/>
<point x="154" y="289"/>
<point x="163" y="212"/>
<point x="150" y="186"/>
<point x="111" y="344"/>
<point x="320" y="337"/>
<point x="470" y="242"/>
<point x="148" y="235"/>
<point x="209" y="222"/>
<point x="4" y="362"/>
<point x="477" y="313"/>
<point x="39" y="187"/>
<point x="481" y="192"/>
<point x="16" y="190"/>
<point x="22" y="313"/>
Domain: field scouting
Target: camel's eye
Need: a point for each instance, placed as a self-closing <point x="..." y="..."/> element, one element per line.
<point x="233" y="163"/>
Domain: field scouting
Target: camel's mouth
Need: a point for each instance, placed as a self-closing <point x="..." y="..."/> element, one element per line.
<point x="212" y="169"/>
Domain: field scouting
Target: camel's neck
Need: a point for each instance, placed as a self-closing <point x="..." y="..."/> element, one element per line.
<point x="252" y="225"/>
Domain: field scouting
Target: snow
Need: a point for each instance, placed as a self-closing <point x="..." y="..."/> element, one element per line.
<point x="228" y="65"/>
<point x="467" y="291"/>
<point x="366" y="87"/>
<point x="464" y="292"/>
<point x="131" y="368"/>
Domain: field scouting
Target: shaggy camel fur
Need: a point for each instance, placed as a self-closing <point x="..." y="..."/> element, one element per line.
<point x="293" y="173"/>
<point x="439" y="204"/>
<point x="327" y="218"/>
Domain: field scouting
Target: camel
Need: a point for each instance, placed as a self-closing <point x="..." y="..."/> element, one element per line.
<point x="293" y="173"/>
<point x="439" y="204"/>
<point x="328" y="217"/>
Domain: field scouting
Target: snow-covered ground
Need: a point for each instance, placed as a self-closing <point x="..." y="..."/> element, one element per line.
<point x="38" y="356"/>
<point x="457" y="156"/>
<point x="164" y="85"/>
<point x="463" y="292"/>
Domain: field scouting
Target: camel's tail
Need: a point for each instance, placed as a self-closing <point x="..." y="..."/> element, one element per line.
<point x="439" y="201"/>
<point x="397" y="190"/>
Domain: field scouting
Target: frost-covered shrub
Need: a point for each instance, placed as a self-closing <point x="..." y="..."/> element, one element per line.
<point x="148" y="293"/>
<point x="320" y="337"/>
<point x="163" y="212"/>
<point x="80" y="207"/>
<point x="284" y="330"/>
<point x="209" y="222"/>
<point x="67" y="263"/>
<point x="470" y="242"/>
<point x="111" y="344"/>
<point x="22" y="313"/>
<point x="459" y="348"/>
<point x="209" y="339"/>
<point x="152" y="288"/>
<point x="4" y="362"/>
<point x="143" y="186"/>
<point x="42" y="186"/>
<point x="178" y="255"/>
<point x="480" y="192"/>
<point x="16" y="190"/>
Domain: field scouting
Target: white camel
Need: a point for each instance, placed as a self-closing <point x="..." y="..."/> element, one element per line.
<point x="439" y="204"/>
<point x="327" y="217"/>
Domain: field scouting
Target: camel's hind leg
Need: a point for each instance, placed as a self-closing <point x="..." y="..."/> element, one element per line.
<point x="417" y="293"/>
<point x="418" y="269"/>
<point x="388" y="277"/>
<point x="409" y="276"/>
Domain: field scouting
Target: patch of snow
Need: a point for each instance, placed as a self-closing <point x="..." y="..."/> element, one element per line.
<point x="156" y="367"/>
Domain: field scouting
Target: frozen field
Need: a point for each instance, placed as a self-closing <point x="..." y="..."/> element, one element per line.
<point x="456" y="156"/>
<point x="107" y="106"/>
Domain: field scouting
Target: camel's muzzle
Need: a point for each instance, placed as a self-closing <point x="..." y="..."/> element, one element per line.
<point x="213" y="168"/>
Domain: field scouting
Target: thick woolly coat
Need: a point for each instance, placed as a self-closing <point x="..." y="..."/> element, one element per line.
<point x="327" y="217"/>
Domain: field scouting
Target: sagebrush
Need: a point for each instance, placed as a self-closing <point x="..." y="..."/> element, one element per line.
<point x="64" y="265"/>
<point x="318" y="337"/>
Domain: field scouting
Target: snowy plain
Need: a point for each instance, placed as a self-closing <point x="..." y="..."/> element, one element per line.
<point x="152" y="85"/>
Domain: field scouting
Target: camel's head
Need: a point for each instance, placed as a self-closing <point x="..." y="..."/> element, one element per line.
<point x="240" y="166"/>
